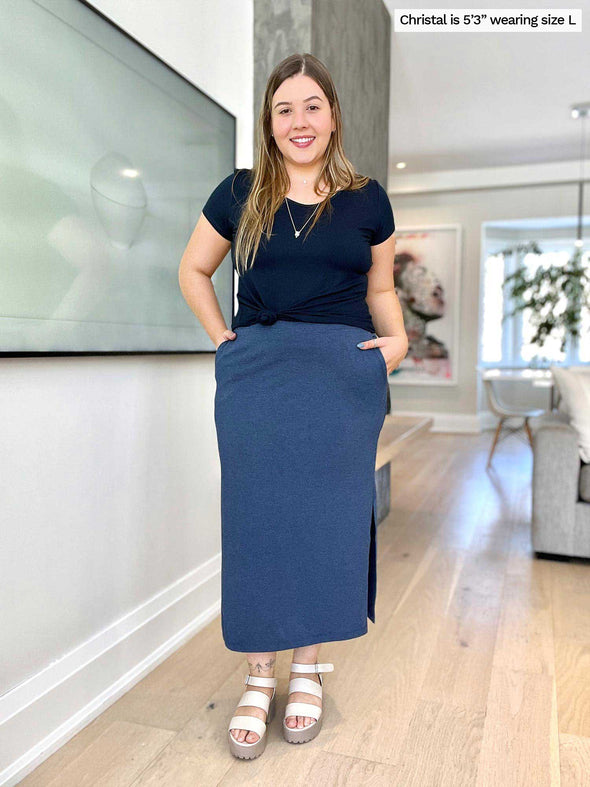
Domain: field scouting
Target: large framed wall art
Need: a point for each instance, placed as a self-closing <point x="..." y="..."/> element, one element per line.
<point x="427" y="275"/>
<point x="108" y="156"/>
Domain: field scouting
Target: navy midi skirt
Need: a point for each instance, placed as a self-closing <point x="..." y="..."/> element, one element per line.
<point x="298" y="412"/>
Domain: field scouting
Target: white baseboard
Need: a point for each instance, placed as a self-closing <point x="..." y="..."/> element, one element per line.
<point x="41" y="714"/>
<point x="490" y="421"/>
<point x="448" y="422"/>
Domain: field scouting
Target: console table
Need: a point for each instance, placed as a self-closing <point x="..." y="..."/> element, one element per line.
<point x="397" y="432"/>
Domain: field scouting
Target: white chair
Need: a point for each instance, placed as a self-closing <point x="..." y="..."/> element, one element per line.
<point x="506" y="412"/>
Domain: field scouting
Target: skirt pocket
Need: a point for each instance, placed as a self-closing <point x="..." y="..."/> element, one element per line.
<point x="382" y="357"/>
<point x="222" y="345"/>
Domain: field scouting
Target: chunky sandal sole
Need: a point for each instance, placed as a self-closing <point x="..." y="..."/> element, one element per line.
<point x="305" y="734"/>
<point x="301" y="734"/>
<point x="249" y="751"/>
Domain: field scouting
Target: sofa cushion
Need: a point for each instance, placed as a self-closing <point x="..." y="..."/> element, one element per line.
<point x="585" y="482"/>
<point x="548" y="418"/>
<point x="561" y="403"/>
<point x="574" y="389"/>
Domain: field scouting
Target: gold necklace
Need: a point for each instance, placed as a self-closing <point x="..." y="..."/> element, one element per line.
<point x="298" y="232"/>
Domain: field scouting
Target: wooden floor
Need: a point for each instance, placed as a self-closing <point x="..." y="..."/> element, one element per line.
<point x="477" y="671"/>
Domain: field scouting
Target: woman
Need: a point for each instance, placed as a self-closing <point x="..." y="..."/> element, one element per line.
<point x="301" y="392"/>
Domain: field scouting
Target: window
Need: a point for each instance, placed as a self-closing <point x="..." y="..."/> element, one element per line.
<point x="508" y="343"/>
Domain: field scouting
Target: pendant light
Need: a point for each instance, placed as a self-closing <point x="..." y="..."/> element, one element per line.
<point x="581" y="112"/>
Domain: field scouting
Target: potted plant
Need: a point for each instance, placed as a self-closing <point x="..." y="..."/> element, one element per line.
<point x="543" y="291"/>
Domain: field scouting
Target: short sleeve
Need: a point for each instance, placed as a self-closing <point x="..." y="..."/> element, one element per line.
<point x="218" y="208"/>
<point x="384" y="221"/>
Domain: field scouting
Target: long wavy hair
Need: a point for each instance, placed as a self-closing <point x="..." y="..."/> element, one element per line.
<point x="269" y="178"/>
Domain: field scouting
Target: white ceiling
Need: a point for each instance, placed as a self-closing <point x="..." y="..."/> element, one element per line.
<point x="478" y="100"/>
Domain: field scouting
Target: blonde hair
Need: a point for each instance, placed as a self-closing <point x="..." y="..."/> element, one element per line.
<point x="269" y="178"/>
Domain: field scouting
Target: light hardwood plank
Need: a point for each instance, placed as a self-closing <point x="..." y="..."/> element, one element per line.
<point x="572" y="671"/>
<point x="115" y="757"/>
<point x="575" y="761"/>
<point x="520" y="743"/>
<point x="442" y="746"/>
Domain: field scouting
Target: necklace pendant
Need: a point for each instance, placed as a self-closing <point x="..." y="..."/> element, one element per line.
<point x="297" y="233"/>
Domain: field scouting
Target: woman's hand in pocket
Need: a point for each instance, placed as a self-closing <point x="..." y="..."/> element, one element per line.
<point x="226" y="336"/>
<point x="393" y="348"/>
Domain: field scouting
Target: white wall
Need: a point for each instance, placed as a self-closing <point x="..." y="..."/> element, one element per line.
<point x="458" y="406"/>
<point x="110" y="473"/>
<point x="211" y="44"/>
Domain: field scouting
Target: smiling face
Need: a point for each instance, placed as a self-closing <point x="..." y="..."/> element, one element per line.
<point x="300" y="109"/>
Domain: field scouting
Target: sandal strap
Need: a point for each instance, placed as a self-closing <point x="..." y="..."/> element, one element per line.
<point x="254" y="680"/>
<point x="296" y="667"/>
<point x="303" y="709"/>
<point x="306" y="685"/>
<point x="252" y="723"/>
<point x="256" y="698"/>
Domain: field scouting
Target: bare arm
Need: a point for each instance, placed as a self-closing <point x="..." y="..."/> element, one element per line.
<point x="204" y="253"/>
<point x="381" y="295"/>
<point x="384" y="304"/>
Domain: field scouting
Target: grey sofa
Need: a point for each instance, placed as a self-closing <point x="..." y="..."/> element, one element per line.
<point x="560" y="489"/>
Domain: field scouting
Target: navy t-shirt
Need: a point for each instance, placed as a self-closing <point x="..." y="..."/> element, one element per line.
<point x="323" y="279"/>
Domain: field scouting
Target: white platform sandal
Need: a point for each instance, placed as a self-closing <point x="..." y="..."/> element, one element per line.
<point x="245" y="750"/>
<point x="304" y="734"/>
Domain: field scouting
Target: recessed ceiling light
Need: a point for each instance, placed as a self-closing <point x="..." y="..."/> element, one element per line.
<point x="401" y="165"/>
<point x="580" y="110"/>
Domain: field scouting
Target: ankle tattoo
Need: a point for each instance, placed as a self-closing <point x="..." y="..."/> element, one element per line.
<point x="258" y="666"/>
